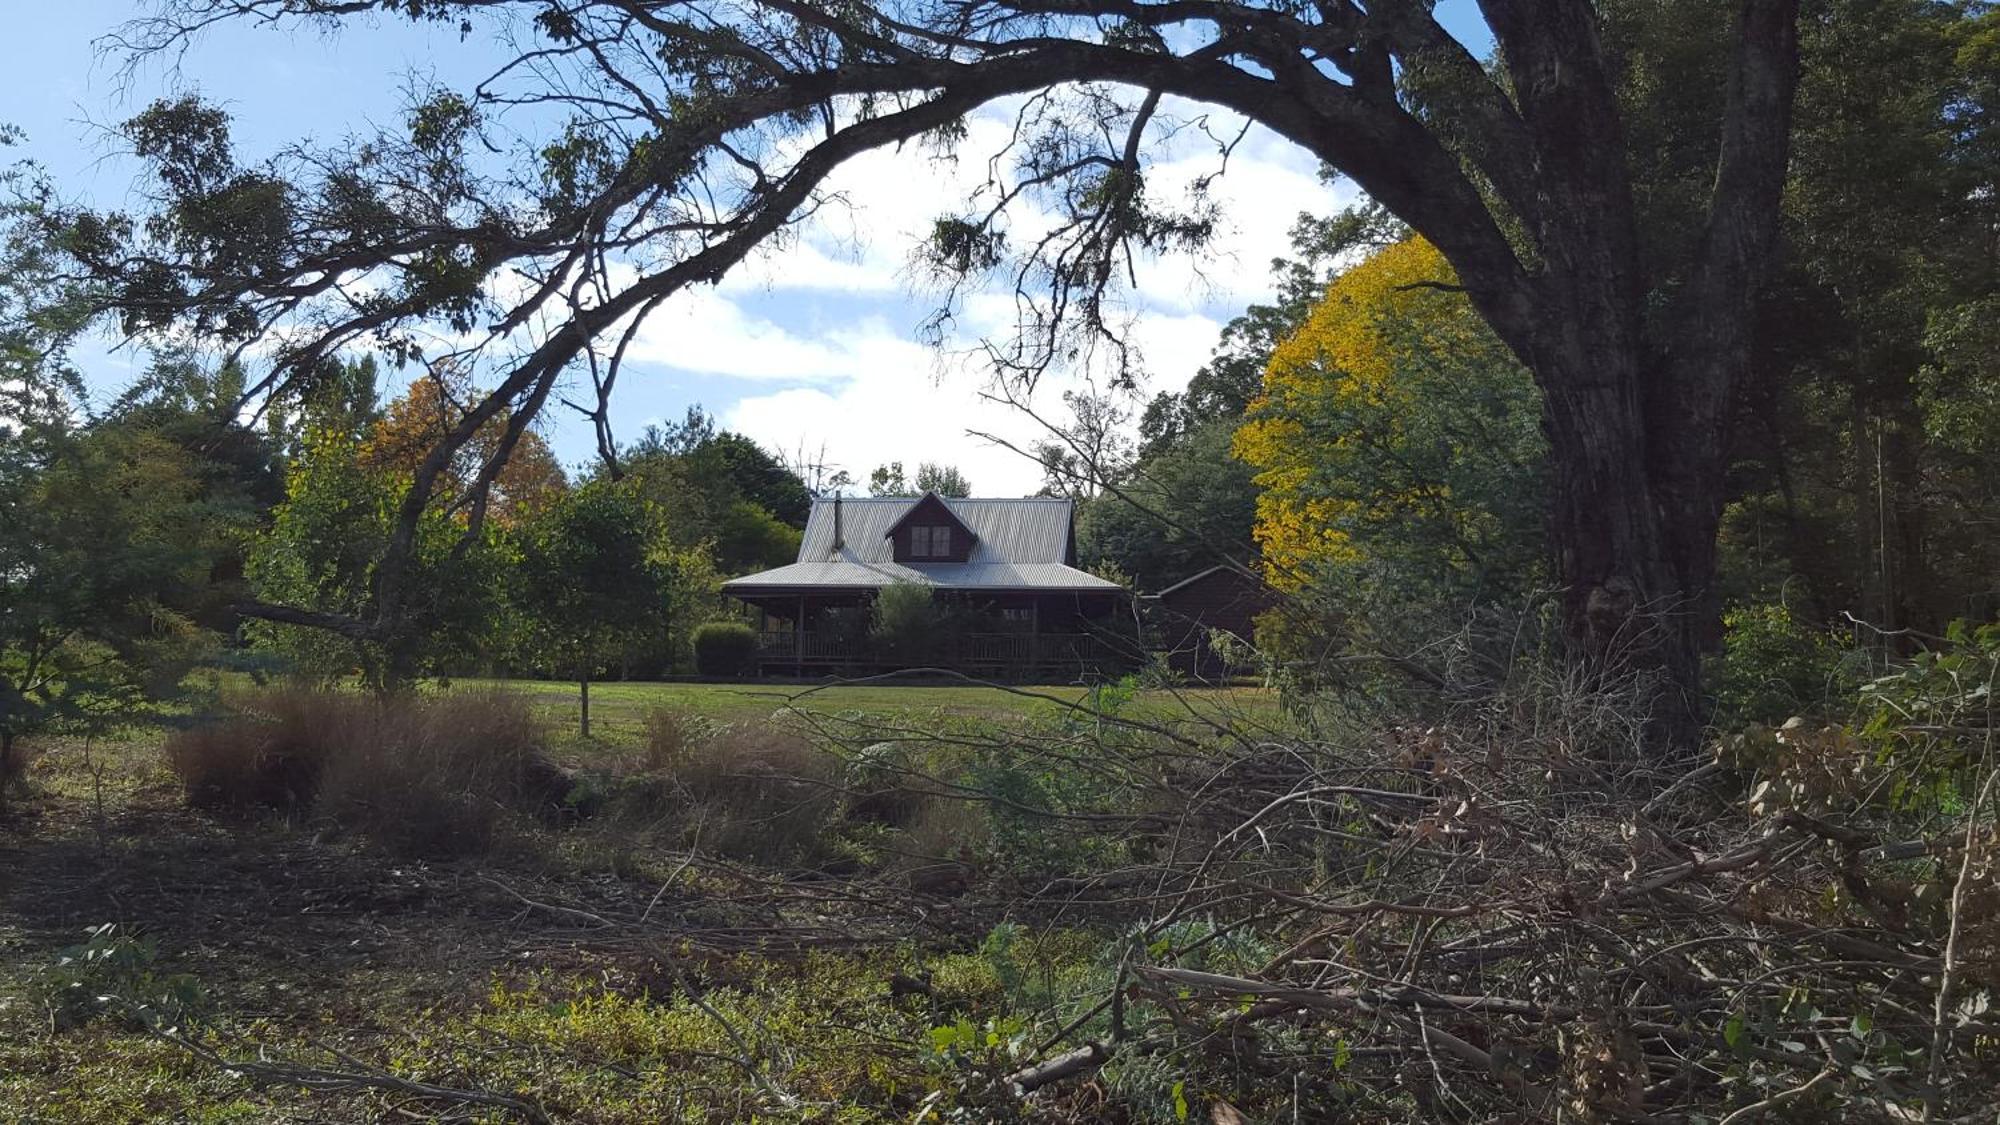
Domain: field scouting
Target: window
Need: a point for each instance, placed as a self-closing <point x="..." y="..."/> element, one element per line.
<point x="930" y="542"/>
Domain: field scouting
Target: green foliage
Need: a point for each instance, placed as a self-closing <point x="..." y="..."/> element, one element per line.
<point x="1233" y="377"/>
<point x="1865" y="471"/>
<point x="904" y="621"/>
<point x="1774" y="666"/>
<point x="720" y="493"/>
<point x="594" y="578"/>
<point x="112" y="974"/>
<point x="1401" y="457"/>
<point x="748" y="536"/>
<point x="1180" y="508"/>
<point x="724" y="648"/>
<point x="114" y="530"/>
<point x="321" y="553"/>
<point x="945" y="480"/>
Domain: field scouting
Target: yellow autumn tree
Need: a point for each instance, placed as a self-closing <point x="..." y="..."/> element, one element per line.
<point x="1396" y="442"/>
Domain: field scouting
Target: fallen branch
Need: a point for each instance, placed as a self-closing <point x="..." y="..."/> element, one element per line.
<point x="1088" y="1057"/>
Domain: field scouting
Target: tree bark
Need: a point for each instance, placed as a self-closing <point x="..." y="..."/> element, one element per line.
<point x="1638" y="398"/>
<point x="583" y="696"/>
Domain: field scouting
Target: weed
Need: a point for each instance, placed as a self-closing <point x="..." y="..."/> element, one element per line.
<point x="111" y="974"/>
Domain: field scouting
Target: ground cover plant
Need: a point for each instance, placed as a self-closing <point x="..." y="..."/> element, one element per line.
<point x="1086" y="914"/>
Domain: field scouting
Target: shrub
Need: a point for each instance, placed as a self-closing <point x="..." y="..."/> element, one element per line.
<point x="113" y="974"/>
<point x="441" y="775"/>
<point x="270" y="754"/>
<point x="1774" y="666"/>
<point x="424" y="777"/>
<point x="13" y="767"/>
<point x="904" y="623"/>
<point x="724" y="648"/>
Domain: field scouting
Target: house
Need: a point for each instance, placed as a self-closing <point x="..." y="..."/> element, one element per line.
<point x="1012" y="602"/>
<point x="1188" y="615"/>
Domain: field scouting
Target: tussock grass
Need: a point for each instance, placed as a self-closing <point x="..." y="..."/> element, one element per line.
<point x="429" y="777"/>
<point x="753" y="791"/>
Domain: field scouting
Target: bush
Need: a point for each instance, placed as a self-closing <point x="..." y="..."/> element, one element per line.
<point x="724" y="648"/>
<point x="1773" y="666"/>
<point x="904" y="624"/>
<point x="423" y="777"/>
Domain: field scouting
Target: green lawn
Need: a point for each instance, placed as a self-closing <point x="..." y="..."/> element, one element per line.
<point x="619" y="706"/>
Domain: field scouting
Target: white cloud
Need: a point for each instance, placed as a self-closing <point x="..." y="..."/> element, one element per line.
<point x="821" y="328"/>
<point x="930" y="407"/>
<point x="710" y="332"/>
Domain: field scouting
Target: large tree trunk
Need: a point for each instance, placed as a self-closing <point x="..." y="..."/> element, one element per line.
<point x="1634" y="554"/>
<point x="1638" y="372"/>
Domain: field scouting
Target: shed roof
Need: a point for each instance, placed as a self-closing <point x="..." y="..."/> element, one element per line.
<point x="1020" y="544"/>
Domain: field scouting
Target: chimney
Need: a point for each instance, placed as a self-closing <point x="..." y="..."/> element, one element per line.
<point x="838" y="540"/>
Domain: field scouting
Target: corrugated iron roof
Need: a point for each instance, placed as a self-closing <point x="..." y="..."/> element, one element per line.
<point x="1028" y="530"/>
<point x="1019" y="544"/>
<point x="953" y="576"/>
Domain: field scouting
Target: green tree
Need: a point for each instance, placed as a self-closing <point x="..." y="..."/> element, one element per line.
<point x="1233" y="377"/>
<point x="719" y="492"/>
<point x="106" y="557"/>
<point x="749" y="538"/>
<point x="1523" y="174"/>
<point x="903" y="623"/>
<point x="1859" y="484"/>
<point x="106" y="547"/>
<point x="760" y="478"/>
<point x="315" y="574"/>
<point x="945" y="480"/>
<point x="1186" y="504"/>
<point x="592" y="581"/>
<point x="889" y="480"/>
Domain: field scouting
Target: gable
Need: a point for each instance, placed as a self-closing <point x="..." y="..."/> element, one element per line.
<point x="930" y="532"/>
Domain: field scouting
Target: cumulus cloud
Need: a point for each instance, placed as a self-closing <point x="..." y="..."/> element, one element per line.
<point x="816" y="336"/>
<point x="935" y="407"/>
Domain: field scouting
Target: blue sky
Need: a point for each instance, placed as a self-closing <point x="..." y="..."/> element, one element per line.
<point x="813" y="347"/>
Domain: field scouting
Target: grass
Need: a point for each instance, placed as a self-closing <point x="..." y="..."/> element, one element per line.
<point x="622" y="707"/>
<point x="484" y="969"/>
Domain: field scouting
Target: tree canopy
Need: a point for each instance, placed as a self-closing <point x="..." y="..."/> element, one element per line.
<point x="662" y="143"/>
<point x="945" y="480"/>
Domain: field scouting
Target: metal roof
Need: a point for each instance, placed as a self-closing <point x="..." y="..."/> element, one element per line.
<point x="1019" y="544"/>
<point x="952" y="576"/>
<point x="1028" y="530"/>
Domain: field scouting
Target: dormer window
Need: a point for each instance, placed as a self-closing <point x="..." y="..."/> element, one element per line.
<point x="930" y="542"/>
<point x="931" y="532"/>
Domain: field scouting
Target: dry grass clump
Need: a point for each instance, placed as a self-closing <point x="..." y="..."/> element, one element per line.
<point x="432" y="777"/>
<point x="752" y="791"/>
